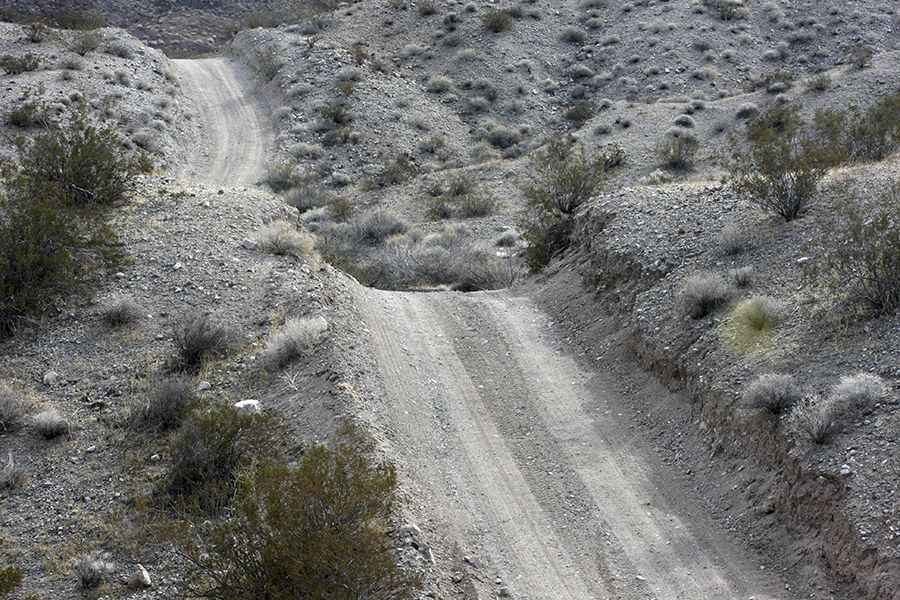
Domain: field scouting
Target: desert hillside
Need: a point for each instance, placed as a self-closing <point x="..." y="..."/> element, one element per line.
<point x="549" y="299"/>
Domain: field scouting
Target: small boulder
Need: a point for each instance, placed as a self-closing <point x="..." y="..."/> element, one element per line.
<point x="252" y="407"/>
<point x="141" y="578"/>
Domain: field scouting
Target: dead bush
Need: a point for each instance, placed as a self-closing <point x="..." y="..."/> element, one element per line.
<point x="49" y="424"/>
<point x="122" y="310"/>
<point x="813" y="419"/>
<point x="857" y="392"/>
<point x="12" y="408"/>
<point x="497" y="20"/>
<point x="283" y="239"/>
<point x="677" y="149"/>
<point x="93" y="569"/>
<point x="12" y="475"/>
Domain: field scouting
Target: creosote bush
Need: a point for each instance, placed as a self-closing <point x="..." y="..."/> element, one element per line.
<point x="16" y="65"/>
<point x="677" y="149"/>
<point x="565" y="177"/>
<point x="199" y="337"/>
<point x="703" y="293"/>
<point x="859" y="248"/>
<point x="211" y="447"/>
<point x="773" y="393"/>
<point x="12" y="409"/>
<point x="781" y="164"/>
<point x="320" y="527"/>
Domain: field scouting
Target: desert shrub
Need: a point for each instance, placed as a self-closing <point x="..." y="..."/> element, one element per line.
<point x="859" y="246"/>
<point x="320" y="527"/>
<point x="375" y="226"/>
<point x="819" y="83"/>
<point x="426" y="8"/>
<point x="49" y="424"/>
<point x="71" y="63"/>
<point x="121" y="310"/>
<point x="477" y="204"/>
<point x="732" y="240"/>
<point x="497" y="19"/>
<point x="168" y="402"/>
<point x="209" y="450"/>
<point x="703" y="293"/>
<point x="742" y="277"/>
<point x="773" y="393"/>
<point x="874" y="133"/>
<point x="80" y="19"/>
<point x="857" y="392"/>
<point x="565" y="177"/>
<point x="507" y="239"/>
<point x="38" y="32"/>
<point x="280" y="177"/>
<point x="677" y="149"/>
<point x="307" y="194"/>
<point x="12" y="409"/>
<point x="16" y="65"/>
<point x="439" y="84"/>
<point x="87" y="42"/>
<point x="400" y="170"/>
<point x="780" y="166"/>
<point x="78" y="165"/>
<point x="813" y="418"/>
<point x="10" y="580"/>
<point x="27" y="114"/>
<point x="199" y="337"/>
<point x="860" y="56"/>
<point x="119" y="49"/>
<point x="92" y="570"/>
<point x="573" y="35"/>
<point x="283" y="239"/>
<point x="293" y="341"/>
<point x="579" y="113"/>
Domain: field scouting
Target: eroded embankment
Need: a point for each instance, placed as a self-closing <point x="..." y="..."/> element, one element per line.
<point x="619" y="287"/>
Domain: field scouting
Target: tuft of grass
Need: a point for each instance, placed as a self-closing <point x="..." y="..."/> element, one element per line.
<point x="198" y="338"/>
<point x="773" y="393"/>
<point x="703" y="293"/>
<point x="573" y="35"/>
<point x="295" y="340"/>
<point x="497" y="20"/>
<point x="742" y="277"/>
<point x="283" y="239"/>
<point x="167" y="404"/>
<point x="732" y="240"/>
<point x="751" y="322"/>
<point x="49" y="424"/>
<point x="121" y="310"/>
<point x="859" y="391"/>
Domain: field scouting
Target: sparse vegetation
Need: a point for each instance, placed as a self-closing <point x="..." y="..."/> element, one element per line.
<point x="16" y="65"/>
<point x="122" y="310"/>
<point x="773" y="393"/>
<point x="780" y="167"/>
<point x="283" y="239"/>
<point x="92" y="570"/>
<point x="677" y="149"/>
<point x="168" y="402"/>
<point x="813" y="418"/>
<point x="703" y="293"/>
<point x="753" y="319"/>
<point x="858" y="392"/>
<point x="293" y="341"/>
<point x="12" y="409"/>
<point x="198" y="338"/>
<point x="340" y="546"/>
<point x="859" y="245"/>
<point x="497" y="20"/>
<point x="566" y="176"/>
<point x="12" y="475"/>
<point x="49" y="424"/>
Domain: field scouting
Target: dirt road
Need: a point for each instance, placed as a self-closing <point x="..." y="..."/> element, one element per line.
<point x="236" y="136"/>
<point x="517" y="450"/>
<point x="522" y="451"/>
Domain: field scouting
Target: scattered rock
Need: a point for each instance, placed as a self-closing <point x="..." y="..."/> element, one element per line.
<point x="252" y="407"/>
<point x="50" y="378"/>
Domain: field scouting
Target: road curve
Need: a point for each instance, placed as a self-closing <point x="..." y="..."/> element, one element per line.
<point x="504" y="430"/>
<point x="235" y="135"/>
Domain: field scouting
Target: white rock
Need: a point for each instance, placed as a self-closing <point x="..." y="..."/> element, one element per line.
<point x="203" y="386"/>
<point x="50" y="378"/>
<point x="141" y="578"/>
<point x="249" y="406"/>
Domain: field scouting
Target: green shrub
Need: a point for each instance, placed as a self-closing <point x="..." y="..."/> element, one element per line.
<point x="497" y="19"/>
<point x="281" y="177"/>
<point x="10" y="580"/>
<point x="320" y="528"/>
<point x="80" y="19"/>
<point x="16" y="65"/>
<point x="859" y="251"/>
<point x="87" y="42"/>
<point x="78" y="165"/>
<point x="565" y="177"/>
<point x="579" y="113"/>
<point x="781" y="165"/>
<point x="752" y="320"/>
<point x="28" y="114"/>
<point x="209" y="450"/>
